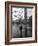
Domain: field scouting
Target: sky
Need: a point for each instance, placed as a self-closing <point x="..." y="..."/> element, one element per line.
<point x="18" y="13"/>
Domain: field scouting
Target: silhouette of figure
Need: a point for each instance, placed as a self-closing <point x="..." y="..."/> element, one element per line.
<point x="20" y="31"/>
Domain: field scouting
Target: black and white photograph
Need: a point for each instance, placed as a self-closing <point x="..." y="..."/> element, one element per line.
<point x="21" y="22"/>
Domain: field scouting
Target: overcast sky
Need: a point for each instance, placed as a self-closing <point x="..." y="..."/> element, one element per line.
<point x="29" y="12"/>
<point x="19" y="12"/>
